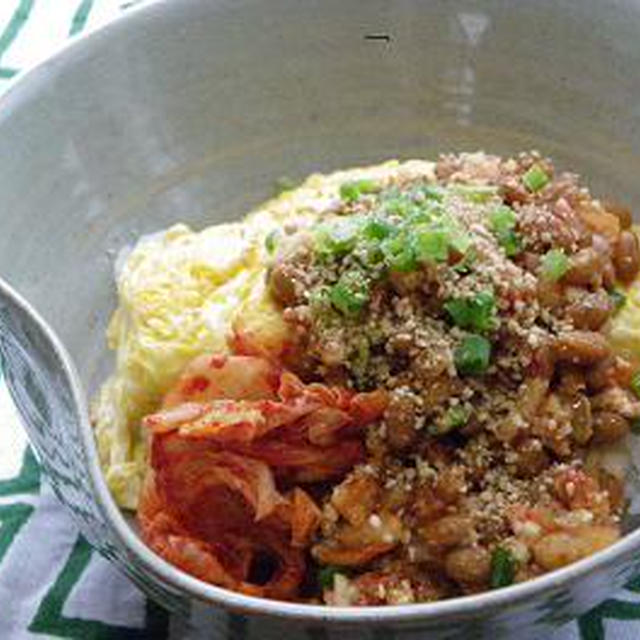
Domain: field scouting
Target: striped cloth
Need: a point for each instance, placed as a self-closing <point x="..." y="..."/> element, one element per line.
<point x="33" y="29"/>
<point x="51" y="583"/>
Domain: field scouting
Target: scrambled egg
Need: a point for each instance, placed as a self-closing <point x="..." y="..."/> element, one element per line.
<point x="180" y="293"/>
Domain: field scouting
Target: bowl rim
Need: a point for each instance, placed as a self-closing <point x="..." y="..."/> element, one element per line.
<point x="460" y="607"/>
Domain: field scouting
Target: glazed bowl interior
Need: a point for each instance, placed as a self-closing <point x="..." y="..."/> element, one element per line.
<point x="189" y="111"/>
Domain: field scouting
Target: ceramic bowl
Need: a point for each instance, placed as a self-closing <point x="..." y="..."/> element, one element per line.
<point x="188" y="111"/>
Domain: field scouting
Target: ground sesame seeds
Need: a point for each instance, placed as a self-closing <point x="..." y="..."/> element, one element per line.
<point x="486" y="447"/>
<point x="375" y="521"/>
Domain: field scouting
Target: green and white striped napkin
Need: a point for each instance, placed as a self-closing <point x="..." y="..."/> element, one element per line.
<point x="52" y="585"/>
<point x="32" y="29"/>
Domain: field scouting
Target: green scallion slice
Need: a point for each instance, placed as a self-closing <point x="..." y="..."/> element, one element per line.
<point x="320" y="301"/>
<point x="361" y="355"/>
<point x="635" y="383"/>
<point x="351" y="191"/>
<point x="433" y="192"/>
<point x="535" y="178"/>
<point x="472" y="356"/>
<point x="460" y="241"/>
<point x="503" y="568"/>
<point x="554" y="265"/>
<point x="377" y="229"/>
<point x="502" y="219"/>
<point x="464" y="266"/>
<point x="511" y="242"/>
<point x="618" y="299"/>
<point x="271" y="241"/>
<point x="283" y="184"/>
<point x="431" y="245"/>
<point x="399" y="254"/>
<point x="338" y="238"/>
<point x="474" y="312"/>
<point x="478" y="194"/>
<point x="399" y="206"/>
<point x="350" y="294"/>
<point x="502" y="222"/>
<point x="422" y="215"/>
<point x="456" y="417"/>
<point x="326" y="576"/>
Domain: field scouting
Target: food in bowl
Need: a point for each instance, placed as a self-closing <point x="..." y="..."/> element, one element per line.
<point x="390" y="385"/>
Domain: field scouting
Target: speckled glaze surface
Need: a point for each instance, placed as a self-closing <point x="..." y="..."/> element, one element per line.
<point x="189" y="110"/>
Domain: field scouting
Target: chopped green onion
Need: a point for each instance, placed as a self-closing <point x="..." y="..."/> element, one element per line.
<point x="351" y="191"/>
<point x="635" y="383"/>
<point x="370" y="253"/>
<point x="405" y="261"/>
<point x="399" y="254"/>
<point x="456" y="417"/>
<point x="464" y="265"/>
<point x="503" y="568"/>
<point x="478" y="194"/>
<point x="350" y="294"/>
<point x="617" y="298"/>
<point x="460" y="241"/>
<point x="271" y="241"/>
<point x="377" y="229"/>
<point x="320" y="300"/>
<point x="399" y="205"/>
<point x="431" y="245"/>
<point x="472" y="356"/>
<point x="339" y="237"/>
<point x="283" y="184"/>
<point x="422" y="215"/>
<point x="511" y="242"/>
<point x="535" y="178"/>
<point x="361" y="355"/>
<point x="554" y="265"/>
<point x="502" y="222"/>
<point x="502" y="219"/>
<point x="433" y="192"/>
<point x="326" y="576"/>
<point x="475" y="312"/>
